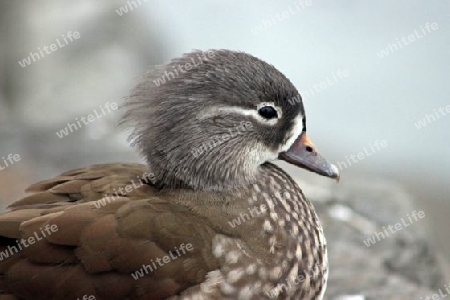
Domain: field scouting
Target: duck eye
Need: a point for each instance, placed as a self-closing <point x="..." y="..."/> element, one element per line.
<point x="268" y="112"/>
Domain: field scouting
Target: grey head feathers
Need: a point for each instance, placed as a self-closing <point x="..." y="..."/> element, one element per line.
<point x="201" y="128"/>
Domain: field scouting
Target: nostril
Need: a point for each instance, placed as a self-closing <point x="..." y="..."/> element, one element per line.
<point x="309" y="149"/>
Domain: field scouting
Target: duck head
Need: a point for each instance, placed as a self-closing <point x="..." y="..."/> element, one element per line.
<point x="211" y="119"/>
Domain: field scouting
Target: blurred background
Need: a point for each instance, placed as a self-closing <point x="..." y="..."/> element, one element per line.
<point x="394" y="56"/>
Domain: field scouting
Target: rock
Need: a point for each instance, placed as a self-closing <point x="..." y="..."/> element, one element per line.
<point x="401" y="265"/>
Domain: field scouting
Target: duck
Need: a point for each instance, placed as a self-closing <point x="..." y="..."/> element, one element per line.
<point x="209" y="215"/>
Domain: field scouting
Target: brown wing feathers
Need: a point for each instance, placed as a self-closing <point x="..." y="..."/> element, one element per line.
<point x="80" y="242"/>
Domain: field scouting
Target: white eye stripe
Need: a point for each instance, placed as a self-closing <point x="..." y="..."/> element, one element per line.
<point x="242" y="111"/>
<point x="294" y="133"/>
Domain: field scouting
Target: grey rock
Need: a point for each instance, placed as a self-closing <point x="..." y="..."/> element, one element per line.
<point x="402" y="265"/>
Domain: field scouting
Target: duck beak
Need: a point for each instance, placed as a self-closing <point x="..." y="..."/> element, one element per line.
<point x="304" y="154"/>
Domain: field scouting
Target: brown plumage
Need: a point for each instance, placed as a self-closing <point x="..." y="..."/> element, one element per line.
<point x="132" y="231"/>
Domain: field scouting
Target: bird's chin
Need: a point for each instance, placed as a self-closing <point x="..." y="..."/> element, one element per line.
<point x="304" y="154"/>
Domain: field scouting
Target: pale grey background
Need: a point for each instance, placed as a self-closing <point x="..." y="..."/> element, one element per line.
<point x="380" y="100"/>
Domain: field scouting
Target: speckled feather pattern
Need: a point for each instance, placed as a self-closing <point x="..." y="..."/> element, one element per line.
<point x="285" y="255"/>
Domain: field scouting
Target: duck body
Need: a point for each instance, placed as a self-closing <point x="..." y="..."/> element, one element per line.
<point x="248" y="244"/>
<point x="222" y="222"/>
